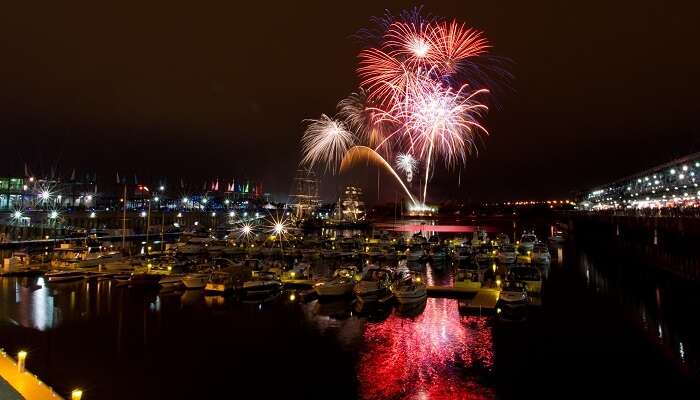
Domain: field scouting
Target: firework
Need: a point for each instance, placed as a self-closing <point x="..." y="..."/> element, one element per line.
<point x="326" y="140"/>
<point x="422" y="95"/>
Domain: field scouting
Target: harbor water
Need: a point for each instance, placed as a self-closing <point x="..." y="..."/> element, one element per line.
<point x="605" y="327"/>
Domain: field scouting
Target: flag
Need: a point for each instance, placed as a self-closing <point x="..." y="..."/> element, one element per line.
<point x="118" y="180"/>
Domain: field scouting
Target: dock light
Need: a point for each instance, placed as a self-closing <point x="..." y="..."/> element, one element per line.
<point x="292" y="297"/>
<point x="170" y="268"/>
<point x="232" y="214"/>
<point x="53" y="214"/>
<point x="179" y="215"/>
<point x="21" y="358"/>
<point x="213" y="214"/>
<point x="76" y="394"/>
<point x="279" y="228"/>
<point x="528" y="252"/>
<point x="498" y="282"/>
<point x="161" y="188"/>
<point x="418" y="279"/>
<point x="292" y="274"/>
<point x="196" y="223"/>
<point x="156" y="198"/>
<point x="204" y="201"/>
<point x="257" y="215"/>
<point x="88" y="198"/>
<point x="17" y="214"/>
<point x="143" y="214"/>
<point x="245" y="214"/>
<point x="498" y="310"/>
<point x="93" y="215"/>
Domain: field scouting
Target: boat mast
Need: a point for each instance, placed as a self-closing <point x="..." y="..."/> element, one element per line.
<point x="124" y="220"/>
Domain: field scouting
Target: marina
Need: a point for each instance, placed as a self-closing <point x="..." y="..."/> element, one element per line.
<point x="136" y="320"/>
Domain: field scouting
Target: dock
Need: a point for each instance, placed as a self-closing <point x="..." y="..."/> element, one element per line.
<point x="21" y="385"/>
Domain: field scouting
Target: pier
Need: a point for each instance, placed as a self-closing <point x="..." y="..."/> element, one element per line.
<point x="17" y="383"/>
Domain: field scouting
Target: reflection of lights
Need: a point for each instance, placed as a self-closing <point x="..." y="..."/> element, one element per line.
<point x="420" y="356"/>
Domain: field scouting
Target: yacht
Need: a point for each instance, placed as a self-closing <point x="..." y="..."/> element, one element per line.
<point x="219" y="283"/>
<point x="558" y="237"/>
<point x="507" y="254"/>
<point x="502" y="239"/>
<point x="144" y="279"/>
<point x="512" y="301"/>
<point x="374" y="284"/>
<point x="527" y="241"/>
<point x="341" y="284"/>
<point x="64" y="276"/>
<point x="97" y="259"/>
<point x="468" y="280"/>
<point x="415" y="253"/>
<point x="171" y="280"/>
<point x="410" y="288"/>
<point x="196" y="280"/>
<point x="540" y="254"/>
<point x="531" y="277"/>
<point x="418" y="238"/>
<point x="262" y="283"/>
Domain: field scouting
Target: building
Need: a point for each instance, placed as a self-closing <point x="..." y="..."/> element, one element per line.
<point x="673" y="184"/>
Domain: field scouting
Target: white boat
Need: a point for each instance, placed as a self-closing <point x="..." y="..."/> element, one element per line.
<point x="415" y="254"/>
<point x="468" y="280"/>
<point x="410" y="288"/>
<point x="507" y="254"/>
<point x="531" y="277"/>
<point x="97" y="259"/>
<point x="341" y="284"/>
<point x="64" y="276"/>
<point x="300" y="270"/>
<point x="171" y="280"/>
<point x="195" y="280"/>
<point x="558" y="237"/>
<point x="512" y="301"/>
<point x="262" y="283"/>
<point x="527" y="241"/>
<point x="219" y="283"/>
<point x="374" y="284"/>
<point x="540" y="254"/>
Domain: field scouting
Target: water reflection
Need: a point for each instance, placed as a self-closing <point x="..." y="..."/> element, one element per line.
<point x="428" y="356"/>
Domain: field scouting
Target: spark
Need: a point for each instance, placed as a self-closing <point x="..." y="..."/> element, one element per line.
<point x="326" y="140"/>
<point x="406" y="163"/>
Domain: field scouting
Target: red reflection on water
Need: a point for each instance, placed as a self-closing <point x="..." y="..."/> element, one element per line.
<point x="429" y="357"/>
<point x="441" y="228"/>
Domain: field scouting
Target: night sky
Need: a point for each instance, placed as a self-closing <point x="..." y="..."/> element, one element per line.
<point x="193" y="90"/>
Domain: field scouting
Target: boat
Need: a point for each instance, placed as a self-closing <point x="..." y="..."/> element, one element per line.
<point x="196" y="280"/>
<point x="530" y="276"/>
<point x="64" y="276"/>
<point x="374" y="284"/>
<point x="415" y="253"/>
<point x="144" y="279"/>
<point x="540" y="254"/>
<point x="171" y="281"/>
<point x="558" y="237"/>
<point x="410" y="288"/>
<point x="527" y="241"/>
<point x="418" y="238"/>
<point x="468" y="280"/>
<point x="262" y="283"/>
<point x="219" y="283"/>
<point x="507" y="254"/>
<point x="512" y="301"/>
<point x="299" y="271"/>
<point x="341" y="284"/>
<point x="502" y="239"/>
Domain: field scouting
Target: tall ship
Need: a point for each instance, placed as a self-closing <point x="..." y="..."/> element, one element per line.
<point x="305" y="194"/>
<point x="350" y="209"/>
